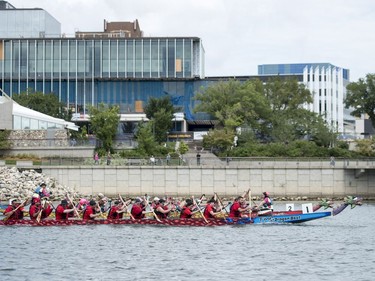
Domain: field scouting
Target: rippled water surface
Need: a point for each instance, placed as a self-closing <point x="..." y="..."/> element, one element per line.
<point x="334" y="248"/>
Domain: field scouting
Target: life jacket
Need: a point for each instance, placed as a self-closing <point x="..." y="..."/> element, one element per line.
<point x="268" y="203"/>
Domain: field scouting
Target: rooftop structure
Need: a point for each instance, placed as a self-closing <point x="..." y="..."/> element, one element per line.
<point x="114" y="30"/>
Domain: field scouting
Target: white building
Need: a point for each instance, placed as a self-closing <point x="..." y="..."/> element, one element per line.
<point x="328" y="87"/>
<point x="327" y="84"/>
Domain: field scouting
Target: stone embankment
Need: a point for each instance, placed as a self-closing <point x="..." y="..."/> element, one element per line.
<point x="16" y="184"/>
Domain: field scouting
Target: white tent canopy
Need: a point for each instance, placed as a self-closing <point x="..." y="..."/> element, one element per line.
<point x="19" y="111"/>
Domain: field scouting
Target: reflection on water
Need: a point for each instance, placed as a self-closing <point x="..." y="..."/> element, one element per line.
<point x="335" y="248"/>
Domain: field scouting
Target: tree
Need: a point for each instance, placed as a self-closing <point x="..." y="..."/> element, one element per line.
<point x="286" y="94"/>
<point x="289" y="120"/>
<point x="183" y="148"/>
<point x="220" y="140"/>
<point x="320" y="133"/>
<point x="45" y="103"/>
<point x="4" y="140"/>
<point x="104" y="122"/>
<point x="160" y="112"/>
<point x="234" y="103"/>
<point x="366" y="147"/>
<point x="145" y="138"/>
<point x="361" y="97"/>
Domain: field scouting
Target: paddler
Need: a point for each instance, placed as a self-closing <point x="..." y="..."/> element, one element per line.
<point x="162" y="210"/>
<point x="238" y="207"/>
<point x="102" y="202"/>
<point x="117" y="210"/>
<point x="37" y="206"/>
<point x="212" y="209"/>
<point x="187" y="210"/>
<point x="92" y="211"/>
<point x="62" y="212"/>
<point x="138" y="209"/>
<point x="15" y="209"/>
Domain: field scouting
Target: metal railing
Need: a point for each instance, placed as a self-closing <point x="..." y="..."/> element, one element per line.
<point x="231" y="162"/>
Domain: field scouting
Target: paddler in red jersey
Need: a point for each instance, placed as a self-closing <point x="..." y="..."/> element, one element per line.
<point x="138" y="209"/>
<point x="237" y="207"/>
<point x="62" y="212"/>
<point x="211" y="210"/>
<point x="187" y="210"/>
<point x="117" y="211"/>
<point x="37" y="206"/>
<point x="15" y="209"/>
<point x="162" y="210"/>
<point x="92" y="211"/>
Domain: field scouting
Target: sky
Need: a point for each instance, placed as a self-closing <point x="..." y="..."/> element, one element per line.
<point x="239" y="35"/>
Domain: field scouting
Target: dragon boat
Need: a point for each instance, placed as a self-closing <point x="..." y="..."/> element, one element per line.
<point x="277" y="217"/>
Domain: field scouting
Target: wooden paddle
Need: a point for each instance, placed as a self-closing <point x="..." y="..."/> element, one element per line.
<point x="13" y="211"/>
<point x="153" y="212"/>
<point x="199" y="209"/>
<point x="126" y="208"/>
<point x="39" y="217"/>
<point x="74" y="207"/>
<point x="250" y="203"/>
<point x="221" y="203"/>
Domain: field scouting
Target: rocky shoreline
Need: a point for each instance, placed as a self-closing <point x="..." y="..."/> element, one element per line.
<point x="16" y="184"/>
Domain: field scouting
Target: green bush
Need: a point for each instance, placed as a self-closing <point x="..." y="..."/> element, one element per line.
<point x="294" y="149"/>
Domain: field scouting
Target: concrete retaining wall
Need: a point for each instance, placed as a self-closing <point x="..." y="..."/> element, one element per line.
<point x="283" y="180"/>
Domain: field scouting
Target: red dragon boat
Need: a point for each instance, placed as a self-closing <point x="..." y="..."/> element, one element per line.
<point x="276" y="217"/>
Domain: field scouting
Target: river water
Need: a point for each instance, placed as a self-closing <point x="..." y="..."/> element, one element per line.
<point x="333" y="248"/>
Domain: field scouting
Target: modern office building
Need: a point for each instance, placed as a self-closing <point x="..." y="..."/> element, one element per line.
<point x="27" y="23"/>
<point x="327" y="83"/>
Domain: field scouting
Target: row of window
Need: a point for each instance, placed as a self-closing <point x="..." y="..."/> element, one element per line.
<point x="25" y="123"/>
<point x="122" y="58"/>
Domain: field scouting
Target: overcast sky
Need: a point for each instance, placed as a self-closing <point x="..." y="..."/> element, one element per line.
<point x="238" y="35"/>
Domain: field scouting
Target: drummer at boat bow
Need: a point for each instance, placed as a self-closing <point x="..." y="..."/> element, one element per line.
<point x="238" y="207"/>
<point x="15" y="209"/>
<point x="62" y="212"/>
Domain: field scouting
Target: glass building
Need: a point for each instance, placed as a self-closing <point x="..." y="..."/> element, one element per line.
<point x="119" y="71"/>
